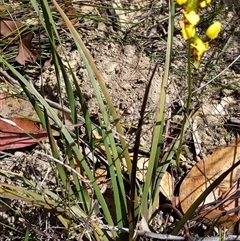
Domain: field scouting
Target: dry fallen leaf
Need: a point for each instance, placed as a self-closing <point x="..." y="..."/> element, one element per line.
<point x="26" y="52"/>
<point x="208" y="170"/>
<point x="4" y="7"/>
<point x="231" y="203"/>
<point x="167" y="182"/>
<point x="70" y="11"/>
<point x="167" y="185"/>
<point x="100" y="175"/>
<point x="225" y="220"/>
<point x="14" y="133"/>
<point x="8" y="26"/>
<point x="227" y="212"/>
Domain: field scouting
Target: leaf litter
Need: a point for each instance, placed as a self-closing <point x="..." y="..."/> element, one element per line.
<point x="208" y="170"/>
<point x="13" y="29"/>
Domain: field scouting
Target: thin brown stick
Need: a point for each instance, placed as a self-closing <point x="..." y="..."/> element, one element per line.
<point x="167" y="236"/>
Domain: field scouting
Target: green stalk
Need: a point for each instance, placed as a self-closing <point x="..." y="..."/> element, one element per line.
<point x="186" y="115"/>
<point x="158" y="130"/>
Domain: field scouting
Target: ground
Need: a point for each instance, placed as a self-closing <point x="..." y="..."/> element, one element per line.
<point x="126" y="46"/>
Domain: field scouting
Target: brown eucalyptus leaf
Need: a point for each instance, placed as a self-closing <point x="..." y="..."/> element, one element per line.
<point x="26" y="52"/>
<point x="208" y="170"/>
<point x="15" y="131"/>
<point x="167" y="182"/>
<point x="4" y="7"/>
<point x="71" y="12"/>
<point x="227" y="213"/>
<point x="166" y="186"/>
<point x="225" y="220"/>
<point x="7" y="26"/>
<point x="233" y="199"/>
<point x="142" y="166"/>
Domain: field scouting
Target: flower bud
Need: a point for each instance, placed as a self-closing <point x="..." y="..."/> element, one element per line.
<point x="213" y="31"/>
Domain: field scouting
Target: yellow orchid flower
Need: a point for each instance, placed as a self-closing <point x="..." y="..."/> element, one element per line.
<point x="199" y="45"/>
<point x="188" y="31"/>
<point x="213" y="31"/>
<point x="181" y="2"/>
<point x="204" y="3"/>
<point x="189" y="23"/>
<point x="192" y="17"/>
<point x="198" y="48"/>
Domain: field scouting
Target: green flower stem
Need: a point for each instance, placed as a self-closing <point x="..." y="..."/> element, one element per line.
<point x="186" y="115"/>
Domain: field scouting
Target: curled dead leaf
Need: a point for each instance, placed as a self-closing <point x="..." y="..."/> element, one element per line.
<point x="167" y="182"/>
<point x="71" y="12"/>
<point x="208" y="170"/>
<point x="4" y="7"/>
<point x="8" y="26"/>
<point x="167" y="185"/>
<point x="26" y="51"/>
<point x="17" y="133"/>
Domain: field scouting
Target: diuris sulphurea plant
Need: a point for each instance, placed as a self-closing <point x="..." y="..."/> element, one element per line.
<point x="190" y="20"/>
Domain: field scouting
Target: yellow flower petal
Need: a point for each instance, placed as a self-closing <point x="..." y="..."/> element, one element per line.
<point x="198" y="48"/>
<point x="213" y="31"/>
<point x="181" y="2"/>
<point x="203" y="4"/>
<point x="188" y="31"/>
<point x="192" y="17"/>
<point x="196" y="64"/>
<point x="197" y="55"/>
<point x="199" y="45"/>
